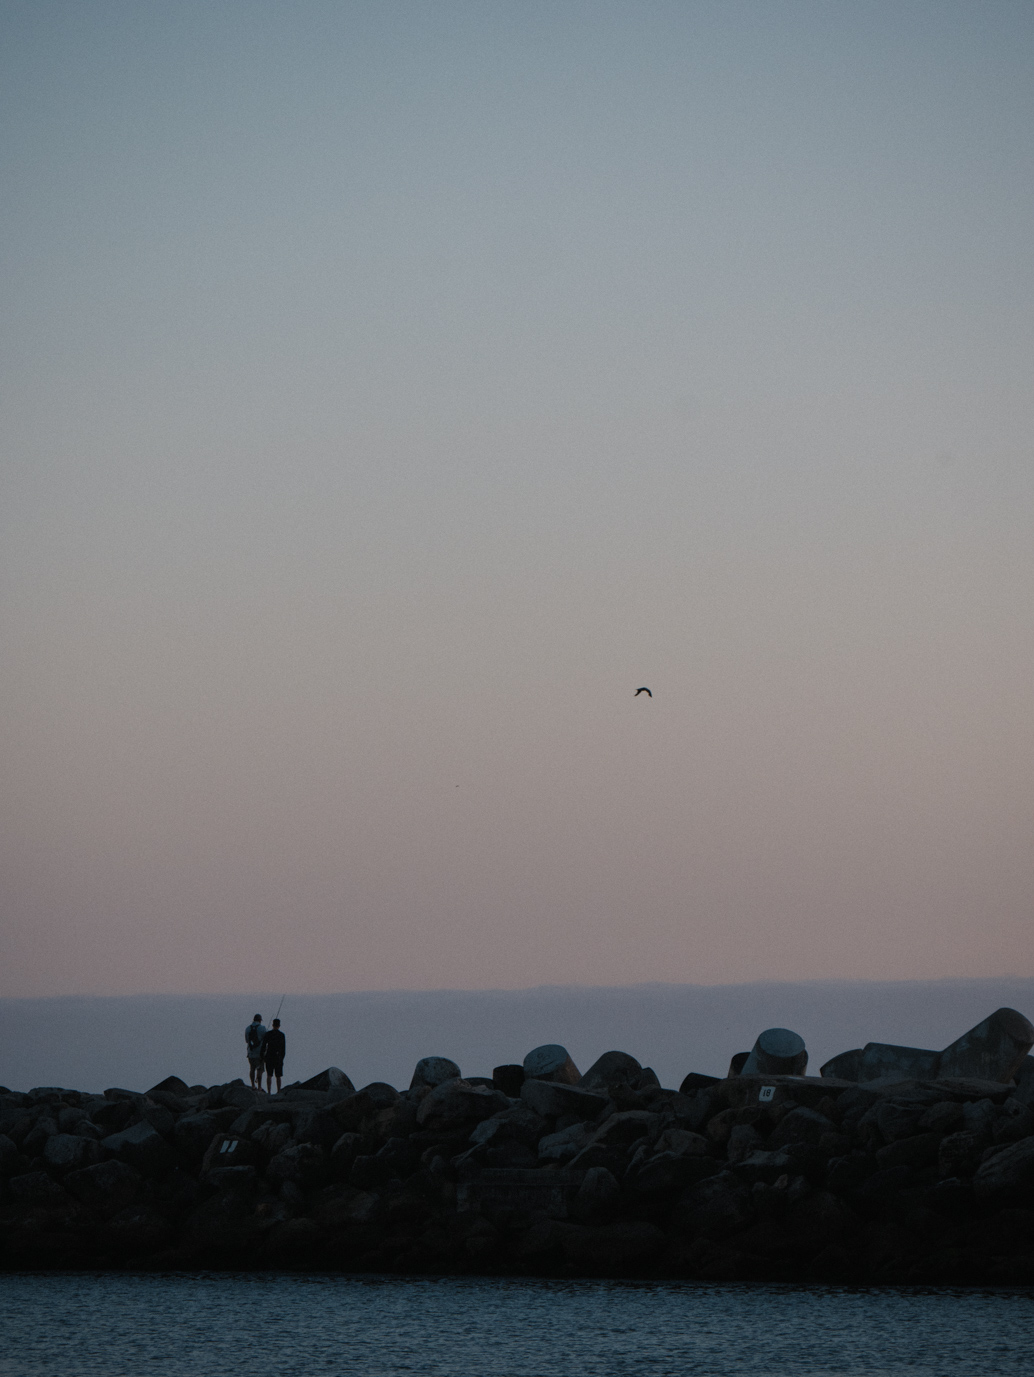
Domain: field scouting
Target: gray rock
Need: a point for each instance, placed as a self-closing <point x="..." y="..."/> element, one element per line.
<point x="553" y="1099"/>
<point x="67" y="1151"/>
<point x="777" y="1052"/>
<point x="597" y="1194"/>
<point x="304" y="1164"/>
<point x="743" y="1140"/>
<point x="567" y="1144"/>
<point x="551" y="1062"/>
<point x="316" y="1126"/>
<point x="12" y="1163"/>
<point x="333" y="1078"/>
<point x="518" y="1124"/>
<point x="621" y="1244"/>
<point x="979" y="1118"/>
<point x="527" y="1191"/>
<point x="108" y="1185"/>
<point x="959" y="1154"/>
<point x="896" y="1119"/>
<point x="434" y="1071"/>
<point x="800" y="1126"/>
<point x="228" y="1150"/>
<point x="1024" y="1079"/>
<point x="194" y="1132"/>
<point x="683" y="1142"/>
<point x="664" y="1173"/>
<point x="171" y="1085"/>
<point x="626" y="1127"/>
<point x="243" y="1178"/>
<point x="920" y="1150"/>
<point x="36" y="1190"/>
<point x="34" y="1141"/>
<point x="456" y="1106"/>
<point x="613" y="1068"/>
<point x="946" y="1117"/>
<point x="766" y="1166"/>
<point x="715" y="1207"/>
<point x="364" y="1105"/>
<point x="143" y="1148"/>
<point x="1011" y="1169"/>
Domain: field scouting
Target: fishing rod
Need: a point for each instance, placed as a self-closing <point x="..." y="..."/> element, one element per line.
<point x="280" y="1005"/>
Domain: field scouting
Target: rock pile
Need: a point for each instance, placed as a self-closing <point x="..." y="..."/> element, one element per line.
<point x="761" y="1175"/>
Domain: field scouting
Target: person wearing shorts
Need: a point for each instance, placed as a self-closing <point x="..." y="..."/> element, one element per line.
<point x="253" y="1035"/>
<point x="274" y="1045"/>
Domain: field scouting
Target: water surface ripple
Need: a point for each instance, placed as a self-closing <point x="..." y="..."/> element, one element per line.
<point x="266" y="1325"/>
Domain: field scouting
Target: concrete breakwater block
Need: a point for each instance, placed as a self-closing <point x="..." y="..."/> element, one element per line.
<point x="432" y="1071"/>
<point x="551" y="1062"/>
<point x="777" y="1052"/>
<point x="995" y="1050"/>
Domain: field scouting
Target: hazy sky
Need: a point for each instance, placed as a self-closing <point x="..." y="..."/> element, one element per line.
<point x="390" y="389"/>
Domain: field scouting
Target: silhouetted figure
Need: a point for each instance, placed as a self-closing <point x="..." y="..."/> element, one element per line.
<point x="645" y="690"/>
<point x="253" y="1035"/>
<point x="274" y="1045"/>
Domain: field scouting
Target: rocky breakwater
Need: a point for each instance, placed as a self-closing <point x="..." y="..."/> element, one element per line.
<point x="535" y="1170"/>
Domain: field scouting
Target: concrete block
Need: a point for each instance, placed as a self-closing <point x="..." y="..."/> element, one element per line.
<point x="551" y="1062"/>
<point x="777" y="1052"/>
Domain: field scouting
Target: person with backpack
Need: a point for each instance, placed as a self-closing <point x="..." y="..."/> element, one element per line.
<point x="274" y="1045"/>
<point x="253" y="1035"/>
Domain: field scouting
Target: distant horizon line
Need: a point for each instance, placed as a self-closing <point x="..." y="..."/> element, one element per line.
<point x="813" y="982"/>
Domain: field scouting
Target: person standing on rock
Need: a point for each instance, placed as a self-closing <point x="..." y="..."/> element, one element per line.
<point x="253" y="1035"/>
<point x="274" y="1045"/>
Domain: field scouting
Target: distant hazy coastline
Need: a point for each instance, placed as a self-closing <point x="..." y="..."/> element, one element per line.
<point x="135" y="1041"/>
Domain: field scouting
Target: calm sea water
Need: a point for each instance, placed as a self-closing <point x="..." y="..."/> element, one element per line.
<point x="207" y="1325"/>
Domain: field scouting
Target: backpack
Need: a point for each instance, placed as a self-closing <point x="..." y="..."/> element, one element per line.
<point x="252" y="1036"/>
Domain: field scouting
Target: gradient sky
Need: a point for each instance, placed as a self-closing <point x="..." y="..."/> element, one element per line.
<point x="390" y="389"/>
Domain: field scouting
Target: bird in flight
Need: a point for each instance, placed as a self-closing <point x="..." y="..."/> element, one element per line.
<point x="645" y="690"/>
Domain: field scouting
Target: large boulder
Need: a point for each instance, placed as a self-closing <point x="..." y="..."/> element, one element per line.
<point x="566" y="1145"/>
<point x="619" y="1130"/>
<point x="364" y="1105"/>
<point x="304" y="1165"/>
<point x="333" y="1078"/>
<point x="517" y="1124"/>
<point x="67" y="1151"/>
<point x="456" y="1106"/>
<point x="554" y="1099"/>
<point x="194" y="1132"/>
<point x="777" y="1052"/>
<point x="613" y="1068"/>
<point x="171" y="1085"/>
<point x="143" y="1148"/>
<point x="551" y="1062"/>
<point x="1010" y="1172"/>
<point x="228" y="1150"/>
<point x="434" y="1071"/>
<point x="715" y="1207"/>
<point x="800" y="1126"/>
<point x="36" y="1190"/>
<point x="106" y="1186"/>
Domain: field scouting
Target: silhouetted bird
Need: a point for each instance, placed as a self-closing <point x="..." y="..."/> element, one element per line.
<point x="645" y="690"/>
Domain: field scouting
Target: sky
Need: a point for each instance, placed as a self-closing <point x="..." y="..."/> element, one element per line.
<point x="388" y="390"/>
